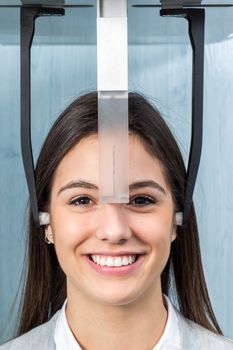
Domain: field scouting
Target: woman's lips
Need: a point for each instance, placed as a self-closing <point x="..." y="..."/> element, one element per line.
<point x="115" y="270"/>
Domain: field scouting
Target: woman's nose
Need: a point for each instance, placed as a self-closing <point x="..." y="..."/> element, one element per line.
<point x="113" y="225"/>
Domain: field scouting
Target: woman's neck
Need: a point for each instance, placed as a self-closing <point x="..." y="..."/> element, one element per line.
<point x="138" y="325"/>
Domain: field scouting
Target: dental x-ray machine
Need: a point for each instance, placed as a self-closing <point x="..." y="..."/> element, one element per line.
<point x="112" y="86"/>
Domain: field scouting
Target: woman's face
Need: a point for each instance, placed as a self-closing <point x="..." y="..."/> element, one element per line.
<point x="112" y="234"/>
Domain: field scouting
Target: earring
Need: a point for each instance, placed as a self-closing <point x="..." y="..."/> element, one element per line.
<point x="50" y="239"/>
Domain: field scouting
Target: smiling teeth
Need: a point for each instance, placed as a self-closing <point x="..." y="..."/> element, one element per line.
<point x="113" y="261"/>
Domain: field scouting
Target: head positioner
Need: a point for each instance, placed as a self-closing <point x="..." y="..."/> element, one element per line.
<point x="112" y="84"/>
<point x="112" y="71"/>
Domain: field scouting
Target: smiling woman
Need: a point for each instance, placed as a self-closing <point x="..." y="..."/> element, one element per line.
<point x="100" y="276"/>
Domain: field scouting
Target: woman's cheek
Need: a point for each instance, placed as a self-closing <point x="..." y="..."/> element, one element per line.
<point x="69" y="233"/>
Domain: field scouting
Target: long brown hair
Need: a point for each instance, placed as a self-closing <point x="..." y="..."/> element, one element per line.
<point x="45" y="289"/>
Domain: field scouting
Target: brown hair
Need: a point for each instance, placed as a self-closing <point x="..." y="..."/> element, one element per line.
<point x="45" y="289"/>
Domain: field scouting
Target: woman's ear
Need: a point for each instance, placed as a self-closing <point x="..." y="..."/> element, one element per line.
<point x="49" y="237"/>
<point x="178" y="218"/>
<point x="173" y="237"/>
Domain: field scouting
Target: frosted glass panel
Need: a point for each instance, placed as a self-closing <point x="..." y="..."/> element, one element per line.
<point x="60" y="72"/>
<point x="161" y="69"/>
<point x="160" y="57"/>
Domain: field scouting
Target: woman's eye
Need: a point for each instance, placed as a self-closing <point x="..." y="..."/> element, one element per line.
<point x="142" y="200"/>
<point x="139" y="201"/>
<point x="81" y="201"/>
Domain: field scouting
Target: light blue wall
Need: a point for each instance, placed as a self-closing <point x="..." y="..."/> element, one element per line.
<point x="160" y="67"/>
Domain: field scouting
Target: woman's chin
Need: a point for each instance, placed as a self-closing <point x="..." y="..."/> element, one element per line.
<point x="116" y="297"/>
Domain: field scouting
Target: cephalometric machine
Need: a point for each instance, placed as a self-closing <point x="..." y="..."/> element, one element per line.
<point x="112" y="86"/>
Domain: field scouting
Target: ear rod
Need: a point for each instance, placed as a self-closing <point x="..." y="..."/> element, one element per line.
<point x="28" y="16"/>
<point x="196" y="21"/>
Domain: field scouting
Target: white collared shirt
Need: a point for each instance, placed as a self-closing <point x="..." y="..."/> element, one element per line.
<point x="170" y="340"/>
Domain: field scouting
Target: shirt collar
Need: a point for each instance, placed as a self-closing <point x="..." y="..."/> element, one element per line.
<point x="170" y="340"/>
<point x="63" y="336"/>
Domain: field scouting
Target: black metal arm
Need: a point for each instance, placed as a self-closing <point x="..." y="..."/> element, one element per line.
<point x="28" y="16"/>
<point x="196" y="20"/>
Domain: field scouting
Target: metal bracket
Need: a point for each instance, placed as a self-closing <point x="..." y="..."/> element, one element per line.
<point x="28" y="16"/>
<point x="172" y="4"/>
<point x="196" y="21"/>
<point x="38" y="3"/>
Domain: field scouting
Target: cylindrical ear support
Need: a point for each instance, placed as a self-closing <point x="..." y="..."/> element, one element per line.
<point x="179" y="218"/>
<point x="44" y="218"/>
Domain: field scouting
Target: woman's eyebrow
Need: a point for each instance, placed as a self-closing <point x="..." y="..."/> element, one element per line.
<point x="134" y="186"/>
<point x="78" y="184"/>
<point x="147" y="183"/>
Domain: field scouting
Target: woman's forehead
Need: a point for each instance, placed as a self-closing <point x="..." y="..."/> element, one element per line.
<point x="82" y="162"/>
